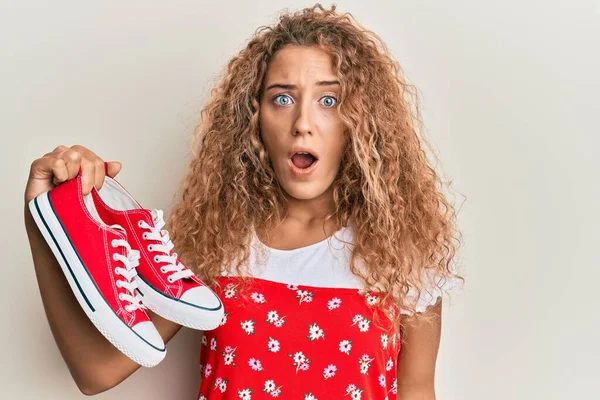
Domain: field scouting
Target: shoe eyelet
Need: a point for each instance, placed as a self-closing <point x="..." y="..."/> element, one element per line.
<point x="150" y="247"/>
<point x="112" y="243"/>
<point x="117" y="271"/>
<point x="170" y="280"/>
<point x="156" y="259"/>
<point x="144" y="236"/>
<point x="121" y="296"/>
<point x="140" y="223"/>
<point x="163" y="270"/>
<point x="115" y="257"/>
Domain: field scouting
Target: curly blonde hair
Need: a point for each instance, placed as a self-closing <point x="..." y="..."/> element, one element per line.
<point x="403" y="224"/>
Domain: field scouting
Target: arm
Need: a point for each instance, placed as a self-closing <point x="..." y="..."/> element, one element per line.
<point x="94" y="363"/>
<point x="416" y="363"/>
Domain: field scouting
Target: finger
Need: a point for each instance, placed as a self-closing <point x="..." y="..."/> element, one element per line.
<point x="73" y="161"/>
<point x="60" y="149"/>
<point x="57" y="152"/>
<point x="59" y="170"/>
<point x="46" y="168"/>
<point x="114" y="167"/>
<point x="98" y="177"/>
<point x="87" y="175"/>
<point x="85" y="152"/>
<point x="98" y="173"/>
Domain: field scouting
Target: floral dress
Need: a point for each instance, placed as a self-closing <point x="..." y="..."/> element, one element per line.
<point x="307" y="331"/>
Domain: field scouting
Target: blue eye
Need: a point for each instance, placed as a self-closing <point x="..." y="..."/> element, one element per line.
<point x="288" y="99"/>
<point x="329" y="101"/>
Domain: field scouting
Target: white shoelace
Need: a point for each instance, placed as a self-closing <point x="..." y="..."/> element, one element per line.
<point x="156" y="232"/>
<point x="128" y="272"/>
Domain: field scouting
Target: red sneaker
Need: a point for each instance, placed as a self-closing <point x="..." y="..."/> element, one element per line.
<point x="165" y="284"/>
<point x="99" y="265"/>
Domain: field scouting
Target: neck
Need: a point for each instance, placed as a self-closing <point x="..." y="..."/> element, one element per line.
<point x="310" y="211"/>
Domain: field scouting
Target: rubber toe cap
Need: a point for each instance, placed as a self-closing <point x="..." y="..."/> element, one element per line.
<point x="148" y="332"/>
<point x="202" y="296"/>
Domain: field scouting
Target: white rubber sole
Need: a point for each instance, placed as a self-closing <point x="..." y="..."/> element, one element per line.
<point x="87" y="293"/>
<point x="182" y="313"/>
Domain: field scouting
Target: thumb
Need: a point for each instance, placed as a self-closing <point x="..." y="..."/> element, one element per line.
<point x="113" y="168"/>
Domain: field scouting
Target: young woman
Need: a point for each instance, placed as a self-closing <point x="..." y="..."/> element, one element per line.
<point x="310" y="208"/>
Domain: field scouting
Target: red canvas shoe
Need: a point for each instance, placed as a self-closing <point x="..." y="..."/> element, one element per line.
<point x="165" y="284"/>
<point x="99" y="265"/>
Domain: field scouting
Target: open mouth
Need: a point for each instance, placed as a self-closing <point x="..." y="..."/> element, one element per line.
<point x="303" y="160"/>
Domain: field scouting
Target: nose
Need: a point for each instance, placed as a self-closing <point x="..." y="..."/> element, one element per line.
<point x="303" y="123"/>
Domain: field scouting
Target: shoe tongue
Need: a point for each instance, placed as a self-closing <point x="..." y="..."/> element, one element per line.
<point x="118" y="228"/>
<point x="146" y="215"/>
<point x="154" y="214"/>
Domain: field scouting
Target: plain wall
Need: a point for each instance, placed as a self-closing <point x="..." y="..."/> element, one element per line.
<point x="509" y="92"/>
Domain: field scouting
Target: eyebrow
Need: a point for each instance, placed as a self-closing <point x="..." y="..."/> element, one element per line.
<point x="289" y="86"/>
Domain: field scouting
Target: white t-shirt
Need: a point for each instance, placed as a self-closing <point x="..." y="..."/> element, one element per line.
<point x="323" y="264"/>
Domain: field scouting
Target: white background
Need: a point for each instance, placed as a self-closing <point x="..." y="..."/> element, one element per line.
<point x="510" y="100"/>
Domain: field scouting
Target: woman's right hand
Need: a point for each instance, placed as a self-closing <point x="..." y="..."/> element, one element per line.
<point x="63" y="164"/>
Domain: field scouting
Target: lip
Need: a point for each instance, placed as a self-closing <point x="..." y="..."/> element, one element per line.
<point x="301" y="172"/>
<point x="297" y="149"/>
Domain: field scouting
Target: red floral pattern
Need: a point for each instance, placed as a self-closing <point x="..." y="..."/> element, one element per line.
<point x="298" y="342"/>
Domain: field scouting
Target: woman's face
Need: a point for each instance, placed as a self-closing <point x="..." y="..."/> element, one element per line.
<point x="299" y="112"/>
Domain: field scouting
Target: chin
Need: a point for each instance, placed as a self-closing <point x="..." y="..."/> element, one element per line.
<point x="303" y="195"/>
<point x="303" y="192"/>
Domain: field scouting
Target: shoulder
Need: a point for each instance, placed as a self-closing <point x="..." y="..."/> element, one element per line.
<point x="435" y="286"/>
